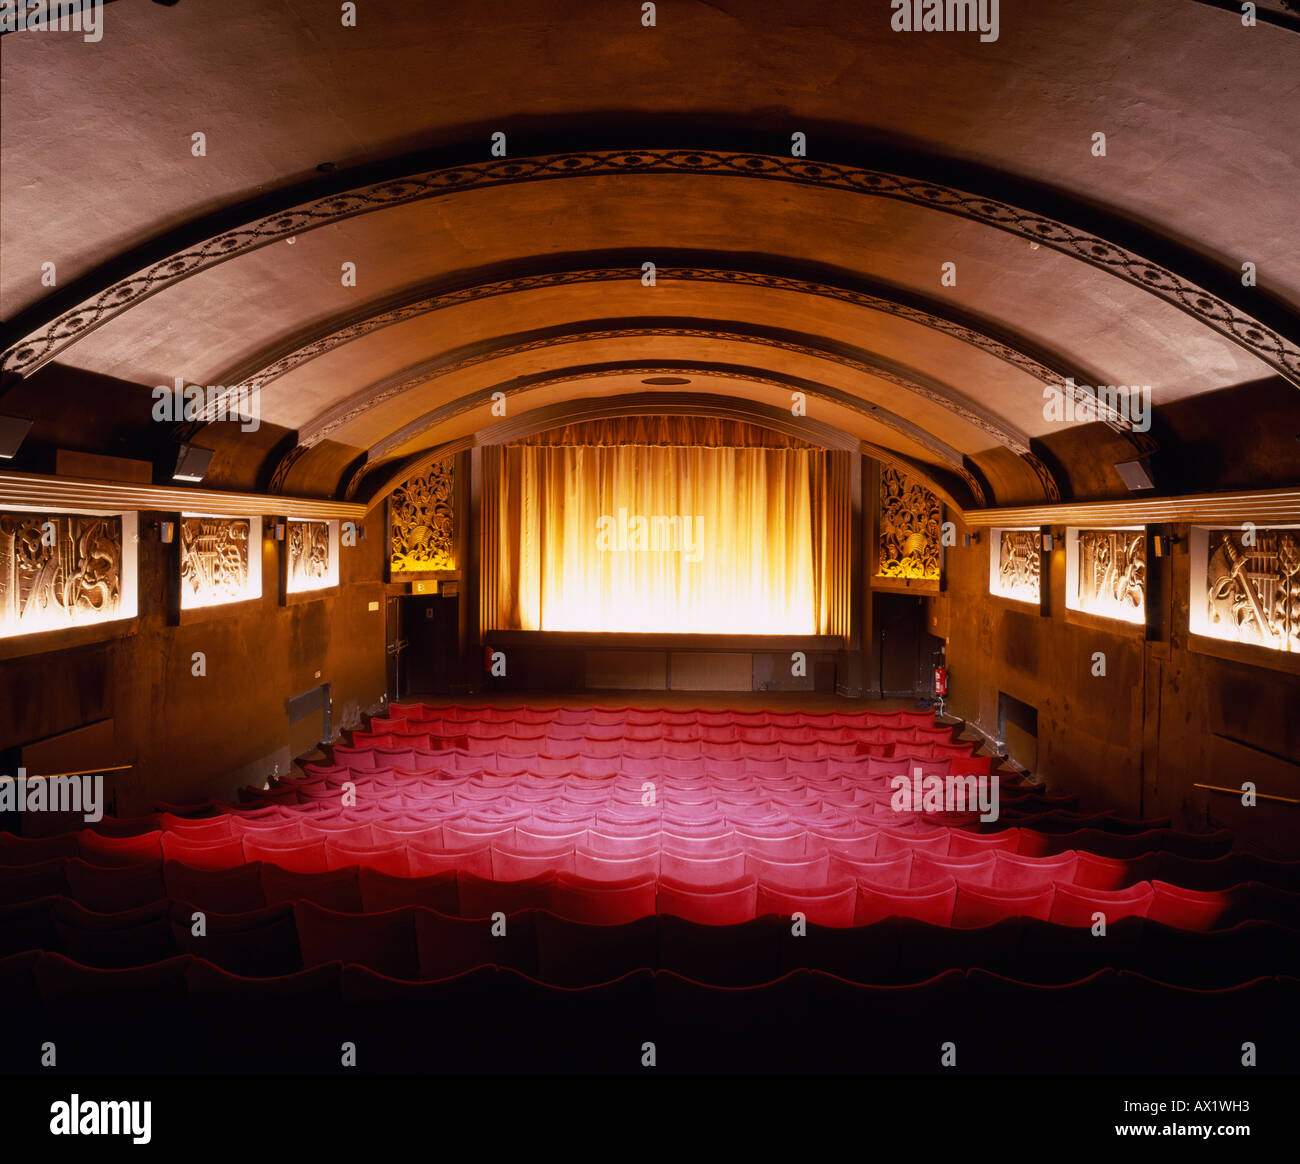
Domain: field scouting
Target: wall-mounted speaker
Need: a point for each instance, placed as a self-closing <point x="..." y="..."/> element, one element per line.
<point x="191" y="463"/>
<point x="13" y="431"/>
<point x="1136" y="474"/>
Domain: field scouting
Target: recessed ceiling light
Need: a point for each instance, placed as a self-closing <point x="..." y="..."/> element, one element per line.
<point x="665" y="380"/>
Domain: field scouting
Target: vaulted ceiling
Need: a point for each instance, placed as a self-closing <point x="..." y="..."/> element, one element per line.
<point x="774" y="273"/>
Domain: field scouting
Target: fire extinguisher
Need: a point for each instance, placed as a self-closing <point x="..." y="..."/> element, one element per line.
<point x="941" y="681"/>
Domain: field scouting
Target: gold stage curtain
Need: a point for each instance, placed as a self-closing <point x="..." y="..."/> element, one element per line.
<point x="665" y="539"/>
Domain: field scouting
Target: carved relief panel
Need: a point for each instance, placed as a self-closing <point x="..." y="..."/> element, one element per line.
<point x="1106" y="573"/>
<point x="1246" y="586"/>
<point x="312" y="549"/>
<point x="219" y="560"/>
<point x="65" y="570"/>
<point x="423" y="521"/>
<point x="1015" y="568"/>
<point x="908" y="528"/>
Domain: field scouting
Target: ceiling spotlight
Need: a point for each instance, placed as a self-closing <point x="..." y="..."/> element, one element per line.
<point x="192" y="463"/>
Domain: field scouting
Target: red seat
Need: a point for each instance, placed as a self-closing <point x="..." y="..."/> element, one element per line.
<point x="382" y="891"/>
<point x="426" y="862"/>
<point x="337" y="890"/>
<point x="384" y="942"/>
<point x="603" y="902"/>
<point x="391" y="858"/>
<point x="108" y="890"/>
<point x="481" y="898"/>
<point x="596" y="866"/>
<point x="218" y="890"/>
<point x="449" y="946"/>
<point x="964" y="844"/>
<point x="509" y="864"/>
<point x="216" y="854"/>
<point x="318" y="984"/>
<point x="835" y="905"/>
<point x="973" y="870"/>
<point x="60" y="978"/>
<point x="97" y="849"/>
<point x="292" y="856"/>
<point x="716" y="868"/>
<point x="983" y="906"/>
<point x="15" y="850"/>
<point x="1014" y="872"/>
<point x="796" y="873"/>
<point x="895" y="871"/>
<point x="726" y="904"/>
<point x="893" y="841"/>
<point x="27" y="882"/>
<point x="928" y="903"/>
<point x="257" y="942"/>
<point x="1187" y="909"/>
<point x="1075" y="905"/>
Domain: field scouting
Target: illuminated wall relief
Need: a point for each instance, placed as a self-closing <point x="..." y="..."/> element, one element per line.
<point x="1106" y="573"/>
<point x="313" y="549"/>
<point x="221" y="560"/>
<point x="910" y="519"/>
<point x="65" y="570"/>
<point x="1015" y="566"/>
<point x="1246" y="586"/>
<point x="423" y="521"/>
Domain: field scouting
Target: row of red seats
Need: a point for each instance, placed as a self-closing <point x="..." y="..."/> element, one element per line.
<point x="793" y="856"/>
<point x="634" y="716"/>
<point x="936" y="896"/>
<point x="426" y="942"/>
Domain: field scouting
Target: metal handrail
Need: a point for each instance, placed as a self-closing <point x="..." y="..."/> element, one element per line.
<point x="1238" y="791"/>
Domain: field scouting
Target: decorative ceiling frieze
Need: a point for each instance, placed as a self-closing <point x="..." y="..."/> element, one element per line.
<point x="29" y="352"/>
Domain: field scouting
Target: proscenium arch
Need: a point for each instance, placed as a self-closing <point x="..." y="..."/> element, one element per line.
<point x="947" y="457"/>
<point x="30" y="344"/>
<point x="715" y="407"/>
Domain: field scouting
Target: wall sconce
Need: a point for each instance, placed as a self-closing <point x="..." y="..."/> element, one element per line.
<point x="277" y="529"/>
<point x="166" y="532"/>
<point x="1162" y="545"/>
<point x="970" y="539"/>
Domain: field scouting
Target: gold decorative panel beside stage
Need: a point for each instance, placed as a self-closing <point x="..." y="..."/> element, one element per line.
<point x="909" y="527"/>
<point x="313" y="550"/>
<point x="1106" y="573"/>
<point x="422" y="522"/>
<point x="1246" y="585"/>
<point x="218" y="564"/>
<point x="1015" y="564"/>
<point x="65" y="570"/>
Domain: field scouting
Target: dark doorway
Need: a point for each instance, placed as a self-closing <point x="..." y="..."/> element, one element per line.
<point x="429" y="637"/>
<point x="904" y="648"/>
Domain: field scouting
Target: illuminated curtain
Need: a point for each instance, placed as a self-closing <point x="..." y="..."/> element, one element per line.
<point x="665" y="538"/>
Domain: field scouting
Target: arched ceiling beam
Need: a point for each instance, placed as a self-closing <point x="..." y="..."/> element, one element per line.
<point x="327" y="423"/>
<point x="30" y="344"/>
<point x="759" y="272"/>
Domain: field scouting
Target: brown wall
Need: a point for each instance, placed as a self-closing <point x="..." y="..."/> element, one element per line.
<point x="189" y="737"/>
<point x="1163" y="718"/>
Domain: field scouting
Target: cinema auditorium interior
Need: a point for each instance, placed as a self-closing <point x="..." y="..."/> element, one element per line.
<point x="558" y="537"/>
